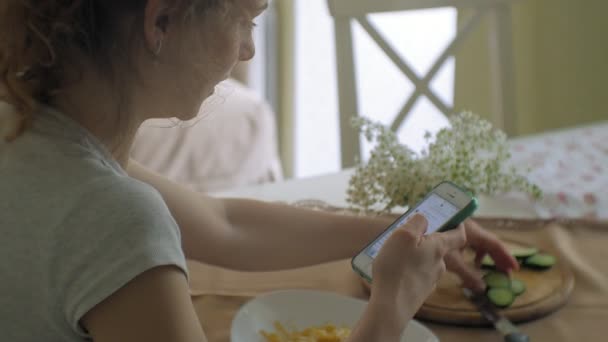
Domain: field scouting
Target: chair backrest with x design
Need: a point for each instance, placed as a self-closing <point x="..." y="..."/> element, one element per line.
<point x="498" y="12"/>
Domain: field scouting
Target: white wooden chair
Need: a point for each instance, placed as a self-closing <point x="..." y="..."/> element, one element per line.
<point x="498" y="12"/>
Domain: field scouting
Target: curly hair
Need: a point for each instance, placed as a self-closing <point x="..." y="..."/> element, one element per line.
<point x="43" y="41"/>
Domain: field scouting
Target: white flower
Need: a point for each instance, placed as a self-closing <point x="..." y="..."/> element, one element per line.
<point x="470" y="153"/>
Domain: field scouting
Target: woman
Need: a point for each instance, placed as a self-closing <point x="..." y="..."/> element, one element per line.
<point x="93" y="244"/>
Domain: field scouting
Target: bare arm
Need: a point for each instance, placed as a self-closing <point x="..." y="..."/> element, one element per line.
<point x="270" y="236"/>
<point x="258" y="236"/>
<point x="153" y="307"/>
<point x="298" y="237"/>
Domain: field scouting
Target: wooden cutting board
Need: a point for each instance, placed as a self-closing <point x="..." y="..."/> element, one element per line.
<point x="546" y="292"/>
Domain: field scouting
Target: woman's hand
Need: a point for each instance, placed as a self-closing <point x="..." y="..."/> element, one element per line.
<point x="409" y="265"/>
<point x="482" y="242"/>
<point x="405" y="272"/>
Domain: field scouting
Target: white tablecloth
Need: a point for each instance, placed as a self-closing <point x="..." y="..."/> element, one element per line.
<point x="571" y="167"/>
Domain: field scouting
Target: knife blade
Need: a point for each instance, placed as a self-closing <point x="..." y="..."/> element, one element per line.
<point x="490" y="312"/>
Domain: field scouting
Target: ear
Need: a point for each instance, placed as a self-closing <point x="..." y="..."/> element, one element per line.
<point x="156" y="23"/>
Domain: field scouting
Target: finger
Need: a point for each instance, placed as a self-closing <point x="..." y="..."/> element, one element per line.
<point x="412" y="231"/>
<point x="483" y="241"/>
<point x="502" y="257"/>
<point x="454" y="239"/>
<point x="417" y="224"/>
<point x="471" y="277"/>
<point x="479" y="257"/>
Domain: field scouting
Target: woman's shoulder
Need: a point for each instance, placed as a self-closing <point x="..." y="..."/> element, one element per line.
<point x="121" y="229"/>
<point x="123" y="198"/>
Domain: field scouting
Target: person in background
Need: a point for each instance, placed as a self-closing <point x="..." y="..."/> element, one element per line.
<point x="94" y="245"/>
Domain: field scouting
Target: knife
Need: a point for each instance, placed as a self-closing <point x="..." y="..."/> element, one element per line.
<point x="491" y="313"/>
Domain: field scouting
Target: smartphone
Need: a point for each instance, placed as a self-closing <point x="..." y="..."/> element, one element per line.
<point x="445" y="207"/>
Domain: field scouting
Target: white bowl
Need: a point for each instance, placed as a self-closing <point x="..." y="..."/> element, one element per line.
<point x="300" y="309"/>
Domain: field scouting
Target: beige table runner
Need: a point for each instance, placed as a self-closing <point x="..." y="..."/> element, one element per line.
<point x="219" y="293"/>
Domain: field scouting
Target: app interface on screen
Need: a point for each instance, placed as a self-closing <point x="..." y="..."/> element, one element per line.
<point x="437" y="212"/>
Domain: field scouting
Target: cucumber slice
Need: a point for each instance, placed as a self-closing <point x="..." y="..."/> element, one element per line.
<point x="540" y="261"/>
<point x="497" y="280"/>
<point x="488" y="262"/>
<point x="517" y="287"/>
<point x="523" y="253"/>
<point x="501" y="297"/>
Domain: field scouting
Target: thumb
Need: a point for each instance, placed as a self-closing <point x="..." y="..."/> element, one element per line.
<point x="416" y="224"/>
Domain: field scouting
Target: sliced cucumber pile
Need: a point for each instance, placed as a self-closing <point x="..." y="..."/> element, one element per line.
<point x="528" y="257"/>
<point x="497" y="280"/>
<point x="517" y="287"/>
<point x="540" y="261"/>
<point x="523" y="253"/>
<point x="503" y="298"/>
<point x="503" y="290"/>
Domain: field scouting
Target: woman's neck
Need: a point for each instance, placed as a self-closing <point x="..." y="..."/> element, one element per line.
<point x="103" y="110"/>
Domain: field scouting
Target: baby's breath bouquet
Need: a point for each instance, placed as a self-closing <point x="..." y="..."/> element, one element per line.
<point x="470" y="153"/>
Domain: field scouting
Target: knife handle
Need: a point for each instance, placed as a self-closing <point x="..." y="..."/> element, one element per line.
<point x="516" y="337"/>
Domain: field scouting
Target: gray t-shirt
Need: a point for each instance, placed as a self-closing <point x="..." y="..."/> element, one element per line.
<point x="74" y="228"/>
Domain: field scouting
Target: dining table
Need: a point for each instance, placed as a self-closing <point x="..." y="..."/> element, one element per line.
<point x="569" y="165"/>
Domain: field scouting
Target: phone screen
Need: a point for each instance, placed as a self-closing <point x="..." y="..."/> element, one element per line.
<point x="437" y="210"/>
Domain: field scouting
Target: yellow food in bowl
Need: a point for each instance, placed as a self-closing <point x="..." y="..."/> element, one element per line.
<point x="324" y="333"/>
